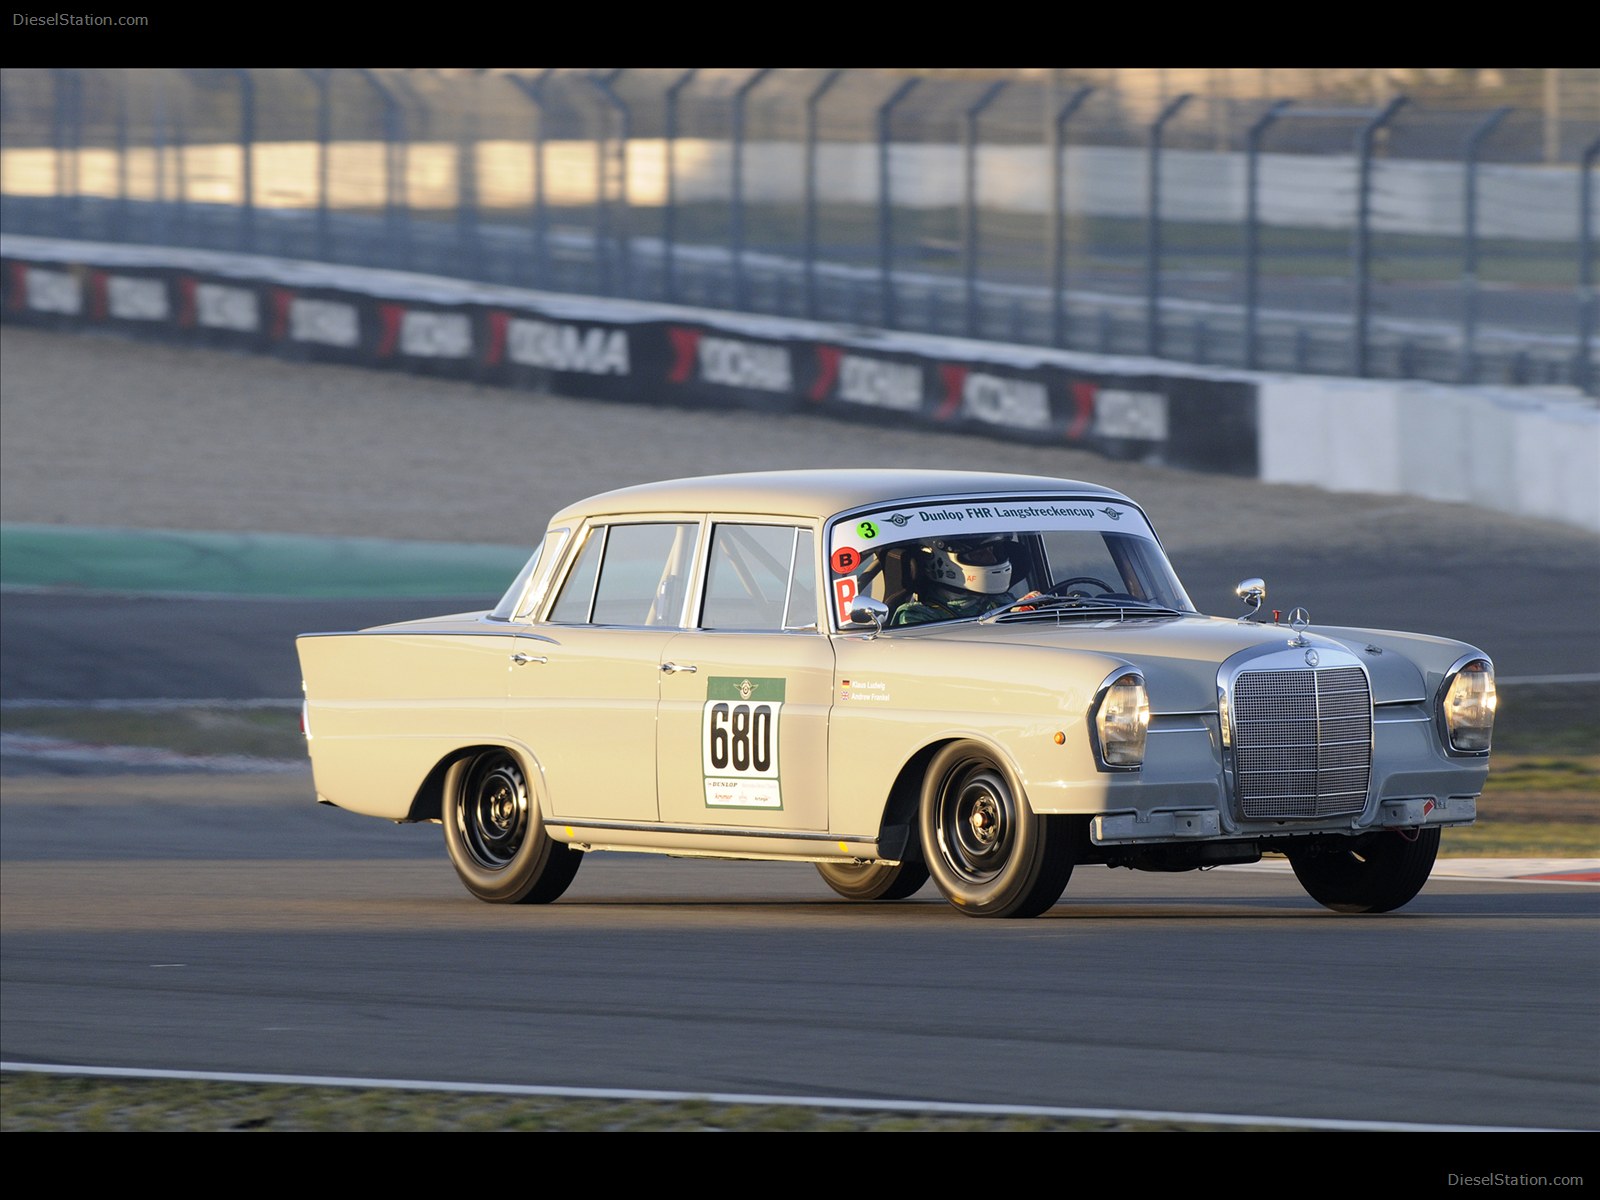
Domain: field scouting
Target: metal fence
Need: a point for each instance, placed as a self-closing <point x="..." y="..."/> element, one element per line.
<point x="1387" y="237"/>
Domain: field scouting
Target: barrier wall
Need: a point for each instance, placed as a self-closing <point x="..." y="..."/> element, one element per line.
<point x="1513" y="451"/>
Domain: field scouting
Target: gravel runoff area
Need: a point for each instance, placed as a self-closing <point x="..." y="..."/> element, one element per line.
<point x="101" y="430"/>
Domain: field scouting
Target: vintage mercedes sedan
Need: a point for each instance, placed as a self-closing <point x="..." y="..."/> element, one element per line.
<point x="989" y="679"/>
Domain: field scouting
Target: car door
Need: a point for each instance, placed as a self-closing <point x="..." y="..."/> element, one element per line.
<point x="585" y="684"/>
<point x="742" y="735"/>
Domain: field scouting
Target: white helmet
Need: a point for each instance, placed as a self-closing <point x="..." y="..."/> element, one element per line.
<point x="977" y="565"/>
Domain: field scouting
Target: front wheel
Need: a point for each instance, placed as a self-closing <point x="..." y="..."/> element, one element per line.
<point x="1375" y="873"/>
<point x="497" y="841"/>
<point x="988" y="852"/>
<point x="874" y="881"/>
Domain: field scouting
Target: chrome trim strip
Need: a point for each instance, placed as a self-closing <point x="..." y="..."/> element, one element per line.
<point x="719" y="831"/>
<point x="517" y="632"/>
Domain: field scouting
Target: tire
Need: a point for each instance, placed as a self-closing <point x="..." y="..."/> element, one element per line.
<point x="874" y="882"/>
<point x="496" y="839"/>
<point x="988" y="852"/>
<point x="1375" y="873"/>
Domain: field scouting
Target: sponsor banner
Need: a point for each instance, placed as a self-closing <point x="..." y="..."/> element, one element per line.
<point x="44" y="290"/>
<point x="861" y="381"/>
<point x="717" y="365"/>
<point x="118" y="296"/>
<point x="427" y="333"/>
<point x="320" y="325"/>
<point x="1207" y="422"/>
<point x="218" y="307"/>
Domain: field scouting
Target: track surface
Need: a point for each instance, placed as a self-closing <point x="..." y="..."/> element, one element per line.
<point x="216" y="921"/>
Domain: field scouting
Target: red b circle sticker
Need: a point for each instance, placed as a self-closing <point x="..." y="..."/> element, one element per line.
<point x="845" y="560"/>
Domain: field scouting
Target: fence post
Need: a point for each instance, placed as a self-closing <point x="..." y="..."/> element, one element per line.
<point x="1585" y="373"/>
<point x="67" y="135"/>
<point x="321" y="79"/>
<point x="396" y="216"/>
<point x="969" y="207"/>
<point x="886" y="297"/>
<point x="247" y="157"/>
<point x="119" y="220"/>
<point x="1152" y="337"/>
<point x="1058" y="209"/>
<point x="736" y="216"/>
<point x="1252" y="228"/>
<point x="669" y="215"/>
<point x="611" y="237"/>
<point x="1469" y="257"/>
<point x="1363" y="238"/>
<point x="814" y="99"/>
<point x="533" y="89"/>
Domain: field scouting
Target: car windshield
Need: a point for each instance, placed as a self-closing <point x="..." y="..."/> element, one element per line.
<point x="992" y="558"/>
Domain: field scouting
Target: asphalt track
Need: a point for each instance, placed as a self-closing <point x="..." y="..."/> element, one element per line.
<point x="220" y="921"/>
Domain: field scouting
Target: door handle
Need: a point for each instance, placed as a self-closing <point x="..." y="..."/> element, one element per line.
<point x="523" y="660"/>
<point x="672" y="668"/>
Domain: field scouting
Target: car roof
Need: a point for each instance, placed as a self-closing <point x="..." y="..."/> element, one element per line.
<point x="819" y="493"/>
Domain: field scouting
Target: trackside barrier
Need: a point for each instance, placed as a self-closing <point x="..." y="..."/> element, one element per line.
<point x="1532" y="452"/>
<point x="1344" y="435"/>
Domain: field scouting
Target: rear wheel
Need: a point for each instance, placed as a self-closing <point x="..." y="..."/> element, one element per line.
<point x="990" y="854"/>
<point x="867" y="881"/>
<point x="497" y="841"/>
<point x="1377" y="872"/>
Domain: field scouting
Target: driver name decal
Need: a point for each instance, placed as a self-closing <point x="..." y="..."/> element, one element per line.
<point x="739" y="741"/>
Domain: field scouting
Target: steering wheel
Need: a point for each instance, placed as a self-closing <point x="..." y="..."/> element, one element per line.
<point x="1060" y="589"/>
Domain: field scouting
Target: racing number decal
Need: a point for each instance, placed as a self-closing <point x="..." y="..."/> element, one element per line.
<point x="739" y="742"/>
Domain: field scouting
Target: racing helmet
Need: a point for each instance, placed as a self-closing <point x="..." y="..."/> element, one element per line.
<point x="979" y="565"/>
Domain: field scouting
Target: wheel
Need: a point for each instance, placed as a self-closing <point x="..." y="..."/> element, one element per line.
<point x="1377" y="872"/>
<point x="497" y="843"/>
<point x="866" y="881"/>
<point x="988" y="852"/>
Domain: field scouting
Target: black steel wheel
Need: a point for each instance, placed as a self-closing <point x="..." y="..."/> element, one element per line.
<point x="497" y="842"/>
<point x="988" y="852"/>
<point x="1374" y="873"/>
<point x="867" y="881"/>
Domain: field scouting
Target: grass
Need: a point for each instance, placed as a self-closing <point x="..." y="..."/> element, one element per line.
<point x="46" y="1102"/>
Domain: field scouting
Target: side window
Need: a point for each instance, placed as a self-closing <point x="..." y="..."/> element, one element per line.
<point x="760" y="577"/>
<point x="629" y="575"/>
<point x="577" y="594"/>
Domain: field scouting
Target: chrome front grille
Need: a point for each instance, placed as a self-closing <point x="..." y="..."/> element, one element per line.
<point x="1302" y="742"/>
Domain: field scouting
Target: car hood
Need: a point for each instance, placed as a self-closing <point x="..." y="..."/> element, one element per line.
<point x="1180" y="656"/>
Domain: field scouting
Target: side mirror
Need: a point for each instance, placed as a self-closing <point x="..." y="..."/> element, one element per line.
<point x="1252" y="592"/>
<point x="868" y="611"/>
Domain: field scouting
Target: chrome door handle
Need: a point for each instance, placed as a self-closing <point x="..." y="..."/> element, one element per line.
<point x="523" y="660"/>
<point x="672" y="668"/>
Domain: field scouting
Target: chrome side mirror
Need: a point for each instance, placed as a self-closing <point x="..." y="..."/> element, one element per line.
<point x="868" y="611"/>
<point x="1252" y="591"/>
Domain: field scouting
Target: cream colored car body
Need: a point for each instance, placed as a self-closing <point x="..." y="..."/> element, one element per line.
<point x="625" y="725"/>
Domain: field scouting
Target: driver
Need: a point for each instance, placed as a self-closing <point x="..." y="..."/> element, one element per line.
<point x="955" y="578"/>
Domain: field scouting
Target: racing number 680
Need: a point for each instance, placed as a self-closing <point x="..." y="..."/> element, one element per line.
<point x="740" y="737"/>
